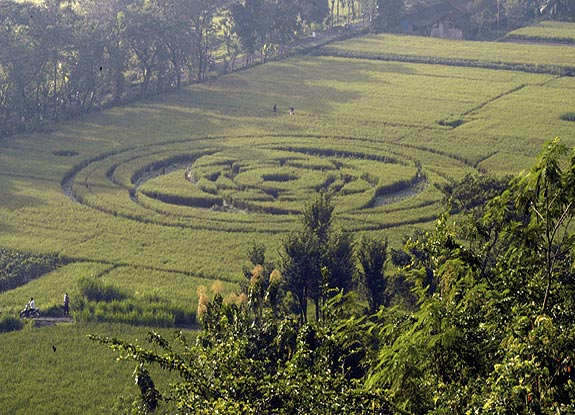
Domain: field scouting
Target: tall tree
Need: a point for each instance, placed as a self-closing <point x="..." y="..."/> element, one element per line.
<point x="108" y="20"/>
<point x="54" y="30"/>
<point x="372" y="254"/>
<point x="142" y="19"/>
<point x="301" y="268"/>
<point x="314" y="11"/>
<point x="389" y="13"/>
<point x="339" y="263"/>
<point x="369" y="13"/>
<point x="247" y="17"/>
<point x="317" y="257"/>
<point x="559" y="9"/>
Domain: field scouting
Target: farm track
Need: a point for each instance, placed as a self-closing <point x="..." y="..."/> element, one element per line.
<point x="491" y="100"/>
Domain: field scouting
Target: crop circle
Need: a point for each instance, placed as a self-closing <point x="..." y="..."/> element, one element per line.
<point x="261" y="183"/>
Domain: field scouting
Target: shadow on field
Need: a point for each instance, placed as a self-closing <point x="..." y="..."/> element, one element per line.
<point x="10" y="194"/>
<point x="286" y="84"/>
<point x="167" y="116"/>
<point x="312" y="86"/>
<point x="6" y="228"/>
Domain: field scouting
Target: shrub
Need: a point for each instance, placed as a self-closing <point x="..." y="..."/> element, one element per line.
<point x="96" y="290"/>
<point x="135" y="312"/>
<point x="453" y="123"/>
<point x="568" y="116"/>
<point x="17" y="268"/>
<point x="10" y="323"/>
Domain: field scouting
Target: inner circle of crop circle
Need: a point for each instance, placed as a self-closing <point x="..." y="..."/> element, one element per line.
<point x="261" y="183"/>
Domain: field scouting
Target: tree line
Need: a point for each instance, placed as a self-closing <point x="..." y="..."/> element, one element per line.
<point x="63" y="57"/>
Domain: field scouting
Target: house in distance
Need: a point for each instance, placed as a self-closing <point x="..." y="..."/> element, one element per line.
<point x="446" y="19"/>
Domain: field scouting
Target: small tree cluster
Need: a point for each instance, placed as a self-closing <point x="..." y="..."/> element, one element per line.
<point x="248" y="361"/>
<point x="320" y="258"/>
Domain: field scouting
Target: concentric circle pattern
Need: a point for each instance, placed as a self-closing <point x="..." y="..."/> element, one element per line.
<point x="261" y="183"/>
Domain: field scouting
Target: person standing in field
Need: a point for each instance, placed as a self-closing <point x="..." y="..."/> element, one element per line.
<point x="66" y="304"/>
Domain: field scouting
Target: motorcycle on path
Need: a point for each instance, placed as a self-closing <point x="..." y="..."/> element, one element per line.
<point x="30" y="313"/>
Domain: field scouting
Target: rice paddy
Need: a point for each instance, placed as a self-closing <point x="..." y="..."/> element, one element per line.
<point x="164" y="197"/>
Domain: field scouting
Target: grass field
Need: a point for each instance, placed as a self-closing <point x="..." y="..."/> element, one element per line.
<point x="521" y="56"/>
<point x="79" y="377"/>
<point x="546" y="31"/>
<point x="162" y="198"/>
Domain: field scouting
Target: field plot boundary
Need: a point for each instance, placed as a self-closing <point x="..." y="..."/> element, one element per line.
<point x="467" y="63"/>
<point x="546" y="32"/>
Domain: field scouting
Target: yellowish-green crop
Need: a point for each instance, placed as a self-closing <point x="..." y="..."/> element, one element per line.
<point x="546" y="30"/>
<point x="459" y="52"/>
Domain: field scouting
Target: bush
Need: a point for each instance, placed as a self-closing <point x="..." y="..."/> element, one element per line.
<point x="10" y="323"/>
<point x="568" y="116"/>
<point x="96" y="290"/>
<point x="453" y="123"/>
<point x="17" y="268"/>
<point x="105" y="303"/>
<point x="134" y="312"/>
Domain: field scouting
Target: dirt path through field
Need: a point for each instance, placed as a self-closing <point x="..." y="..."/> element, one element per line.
<point x="51" y="321"/>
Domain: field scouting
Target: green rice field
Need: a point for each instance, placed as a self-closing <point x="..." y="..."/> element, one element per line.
<point x="546" y="31"/>
<point x="507" y="55"/>
<point x="162" y="199"/>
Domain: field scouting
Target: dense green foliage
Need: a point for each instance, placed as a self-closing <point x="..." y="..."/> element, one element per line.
<point x="317" y="258"/>
<point x="104" y="302"/>
<point x="10" y="323"/>
<point x="496" y="338"/>
<point x="248" y="361"/>
<point x="18" y="268"/>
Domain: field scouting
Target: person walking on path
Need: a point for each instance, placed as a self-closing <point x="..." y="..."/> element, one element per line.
<point x="66" y="304"/>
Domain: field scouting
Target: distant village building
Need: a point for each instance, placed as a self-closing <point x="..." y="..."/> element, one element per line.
<point x="444" y="20"/>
